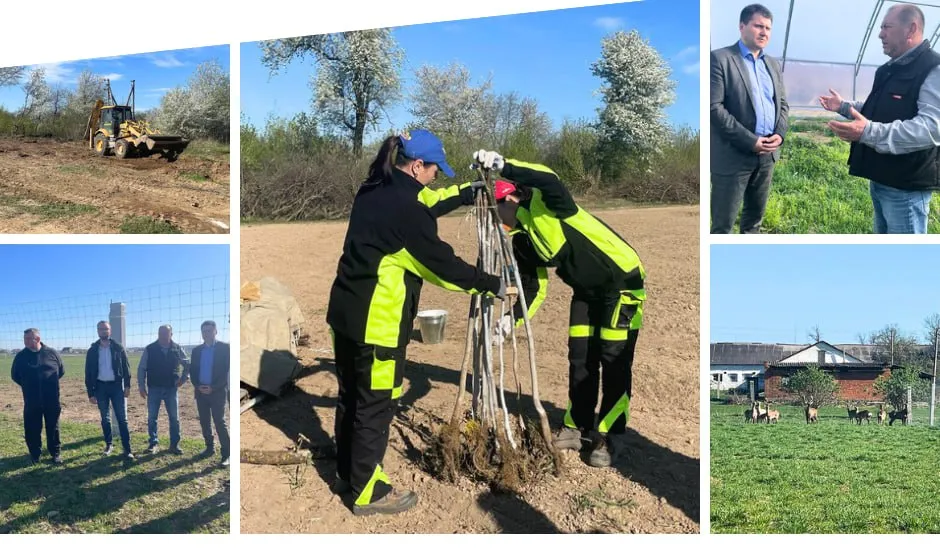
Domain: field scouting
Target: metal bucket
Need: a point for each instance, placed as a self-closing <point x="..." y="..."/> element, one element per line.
<point x="431" y="324"/>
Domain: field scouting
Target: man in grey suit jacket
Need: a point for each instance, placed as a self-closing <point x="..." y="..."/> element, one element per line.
<point x="748" y="122"/>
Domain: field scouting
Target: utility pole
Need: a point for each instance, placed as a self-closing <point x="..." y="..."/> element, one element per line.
<point x="933" y="387"/>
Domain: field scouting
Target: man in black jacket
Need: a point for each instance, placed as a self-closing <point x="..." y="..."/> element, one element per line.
<point x="37" y="371"/>
<point x="108" y="382"/>
<point x="209" y="374"/>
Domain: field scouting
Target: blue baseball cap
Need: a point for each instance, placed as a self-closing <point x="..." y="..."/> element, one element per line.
<point x="424" y="145"/>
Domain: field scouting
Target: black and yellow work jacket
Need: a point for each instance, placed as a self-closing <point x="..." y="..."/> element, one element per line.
<point x="391" y="247"/>
<point x="586" y="253"/>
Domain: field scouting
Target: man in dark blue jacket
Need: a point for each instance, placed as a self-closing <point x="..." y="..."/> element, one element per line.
<point x="209" y="373"/>
<point x="108" y="382"/>
<point x="37" y="371"/>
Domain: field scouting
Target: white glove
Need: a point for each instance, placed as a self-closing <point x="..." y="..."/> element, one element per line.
<point x="490" y="160"/>
<point x="504" y="327"/>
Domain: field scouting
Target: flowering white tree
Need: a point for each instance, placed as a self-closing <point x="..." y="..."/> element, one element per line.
<point x="201" y="108"/>
<point x="11" y="75"/>
<point x="36" y="92"/>
<point x="445" y="101"/>
<point x="636" y="92"/>
<point x="357" y="77"/>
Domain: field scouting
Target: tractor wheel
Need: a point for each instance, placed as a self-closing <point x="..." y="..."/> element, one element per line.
<point x="122" y="149"/>
<point x="101" y="145"/>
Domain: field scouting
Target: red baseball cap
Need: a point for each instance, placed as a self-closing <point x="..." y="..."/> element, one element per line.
<point x="502" y="189"/>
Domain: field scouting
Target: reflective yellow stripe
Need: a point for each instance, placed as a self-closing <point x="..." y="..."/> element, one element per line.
<point x="606" y="241"/>
<point x="383" y="323"/>
<point x="542" y="226"/>
<point x="408" y="261"/>
<point x="430" y="197"/>
<point x="378" y="476"/>
<point x="569" y="421"/>
<point x="580" y="331"/>
<point x="532" y="166"/>
<point x="383" y="374"/>
<point x="614" y="335"/>
<point x="396" y="392"/>
<point x="637" y="322"/>
<point x="621" y="407"/>
<point x="542" y="273"/>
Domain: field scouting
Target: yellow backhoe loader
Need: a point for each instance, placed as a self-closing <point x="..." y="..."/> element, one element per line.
<point x="112" y="128"/>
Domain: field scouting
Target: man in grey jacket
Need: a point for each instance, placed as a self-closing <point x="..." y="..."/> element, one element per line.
<point x="748" y="123"/>
<point x="895" y="133"/>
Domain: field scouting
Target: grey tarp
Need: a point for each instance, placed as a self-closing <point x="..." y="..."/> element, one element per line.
<point x="271" y="326"/>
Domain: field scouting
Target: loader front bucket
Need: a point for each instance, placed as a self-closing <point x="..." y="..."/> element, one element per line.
<point x="170" y="145"/>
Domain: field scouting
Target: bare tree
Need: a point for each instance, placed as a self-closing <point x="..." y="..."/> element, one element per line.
<point x="36" y="92"/>
<point x="357" y="77"/>
<point x="815" y="334"/>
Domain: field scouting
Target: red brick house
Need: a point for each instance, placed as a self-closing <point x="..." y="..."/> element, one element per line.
<point x="856" y="380"/>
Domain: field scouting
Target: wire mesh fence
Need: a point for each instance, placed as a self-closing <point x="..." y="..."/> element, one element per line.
<point x="70" y="324"/>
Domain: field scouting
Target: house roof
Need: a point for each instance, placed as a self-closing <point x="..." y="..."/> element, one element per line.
<point x="828" y="348"/>
<point x="756" y="353"/>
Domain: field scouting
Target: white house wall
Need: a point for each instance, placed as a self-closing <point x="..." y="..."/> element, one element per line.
<point x="733" y="376"/>
<point x="811" y="355"/>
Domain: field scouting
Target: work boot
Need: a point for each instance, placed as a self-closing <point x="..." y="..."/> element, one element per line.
<point x="57" y="460"/>
<point x="153" y="449"/>
<point x="568" y="439"/>
<point x="210" y="451"/>
<point x="607" y="448"/>
<point x="176" y="450"/>
<point x="107" y="449"/>
<point x="394" y="502"/>
<point x="340" y="486"/>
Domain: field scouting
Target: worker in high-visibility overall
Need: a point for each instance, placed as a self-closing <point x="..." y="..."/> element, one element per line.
<point x="549" y="229"/>
<point x="391" y="247"/>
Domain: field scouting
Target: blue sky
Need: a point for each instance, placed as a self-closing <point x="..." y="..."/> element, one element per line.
<point x="64" y="290"/>
<point x="777" y="293"/>
<point x="545" y="55"/>
<point x="155" y="73"/>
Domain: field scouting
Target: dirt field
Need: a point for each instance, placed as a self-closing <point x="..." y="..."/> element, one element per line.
<point x="654" y="489"/>
<point x="50" y="186"/>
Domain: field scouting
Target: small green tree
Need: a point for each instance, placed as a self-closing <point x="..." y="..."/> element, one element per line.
<point x="894" y="387"/>
<point x="813" y="386"/>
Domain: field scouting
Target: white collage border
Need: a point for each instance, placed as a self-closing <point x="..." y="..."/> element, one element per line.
<point x="57" y="30"/>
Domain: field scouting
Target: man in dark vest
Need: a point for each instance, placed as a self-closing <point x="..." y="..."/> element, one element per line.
<point x="895" y="133"/>
<point x="209" y="374"/>
<point x="108" y="382"/>
<point x="163" y="369"/>
<point x="37" y="370"/>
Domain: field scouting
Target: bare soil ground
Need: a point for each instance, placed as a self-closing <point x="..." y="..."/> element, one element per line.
<point x="50" y="186"/>
<point x="655" y="488"/>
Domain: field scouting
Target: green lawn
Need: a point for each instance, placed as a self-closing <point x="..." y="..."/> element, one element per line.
<point x="90" y="492"/>
<point x="830" y="477"/>
<point x="812" y="191"/>
<point x="74" y="367"/>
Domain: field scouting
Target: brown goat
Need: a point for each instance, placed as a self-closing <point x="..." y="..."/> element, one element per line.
<point x="863" y="415"/>
<point x="812" y="414"/>
<point x="882" y="415"/>
<point x="761" y="413"/>
<point x="772" y="415"/>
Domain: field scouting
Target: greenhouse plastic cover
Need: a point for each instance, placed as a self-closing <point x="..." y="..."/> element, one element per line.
<point x="826" y="40"/>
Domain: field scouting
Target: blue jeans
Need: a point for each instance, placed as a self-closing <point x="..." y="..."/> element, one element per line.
<point x="168" y="396"/>
<point x="111" y="395"/>
<point x="899" y="211"/>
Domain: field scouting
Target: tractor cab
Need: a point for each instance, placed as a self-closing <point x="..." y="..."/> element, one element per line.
<point x="113" y="116"/>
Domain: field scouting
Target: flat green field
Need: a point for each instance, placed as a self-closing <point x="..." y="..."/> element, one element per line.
<point x="829" y="477"/>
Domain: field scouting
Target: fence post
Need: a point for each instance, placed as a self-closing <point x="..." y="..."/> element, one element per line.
<point x="910" y="407"/>
<point x="118" y="320"/>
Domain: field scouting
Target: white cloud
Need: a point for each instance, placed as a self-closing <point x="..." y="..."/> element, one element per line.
<point x="687" y="52"/>
<point x="58" y="73"/>
<point x="691" y="68"/>
<point x="165" y="61"/>
<point x="113" y="76"/>
<point x="159" y="90"/>
<point x="609" y="23"/>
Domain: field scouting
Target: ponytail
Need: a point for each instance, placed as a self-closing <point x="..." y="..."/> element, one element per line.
<point x="389" y="156"/>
